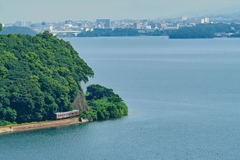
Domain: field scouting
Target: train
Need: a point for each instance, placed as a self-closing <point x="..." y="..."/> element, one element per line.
<point x="63" y="115"/>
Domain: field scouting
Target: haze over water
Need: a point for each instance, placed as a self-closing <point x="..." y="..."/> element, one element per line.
<point x="55" y="10"/>
<point x="183" y="98"/>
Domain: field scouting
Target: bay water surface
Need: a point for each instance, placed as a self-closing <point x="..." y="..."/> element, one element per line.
<point x="183" y="98"/>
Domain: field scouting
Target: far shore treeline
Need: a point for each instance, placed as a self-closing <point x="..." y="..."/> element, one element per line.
<point x="199" y="31"/>
<point x="208" y="30"/>
<point x="17" y="29"/>
<point x="41" y="75"/>
<point x="119" y="32"/>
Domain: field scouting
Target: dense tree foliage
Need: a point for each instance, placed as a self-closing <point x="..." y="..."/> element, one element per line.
<point x="116" y="32"/>
<point x="204" y="30"/>
<point x="125" y="32"/>
<point x="18" y="30"/>
<point x="39" y="76"/>
<point x="5" y="123"/>
<point x="104" y="104"/>
<point x="0" y="27"/>
<point x="155" y="33"/>
<point x="191" y="32"/>
<point x="220" y="27"/>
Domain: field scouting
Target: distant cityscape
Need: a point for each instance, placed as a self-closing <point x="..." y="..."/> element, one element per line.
<point x="75" y="27"/>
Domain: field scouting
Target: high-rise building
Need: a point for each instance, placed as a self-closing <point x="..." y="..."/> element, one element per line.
<point x="103" y="23"/>
<point x="137" y="25"/>
<point x="206" y="20"/>
<point x="23" y="23"/>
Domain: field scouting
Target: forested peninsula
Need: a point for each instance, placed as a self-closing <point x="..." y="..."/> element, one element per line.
<point x="41" y="75"/>
<point x="206" y="31"/>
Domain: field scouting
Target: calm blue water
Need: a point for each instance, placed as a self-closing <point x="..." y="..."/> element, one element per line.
<point x="183" y="98"/>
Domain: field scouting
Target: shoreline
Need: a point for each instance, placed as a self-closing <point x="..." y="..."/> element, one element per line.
<point x="40" y="125"/>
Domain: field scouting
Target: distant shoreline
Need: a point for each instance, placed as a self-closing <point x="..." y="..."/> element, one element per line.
<point x="40" y="125"/>
<point x="162" y="37"/>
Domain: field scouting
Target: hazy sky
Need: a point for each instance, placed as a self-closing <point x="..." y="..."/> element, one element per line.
<point x="60" y="10"/>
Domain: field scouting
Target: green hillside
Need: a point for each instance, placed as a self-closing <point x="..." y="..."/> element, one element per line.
<point x="18" y="30"/>
<point x="104" y="103"/>
<point x="39" y="76"/>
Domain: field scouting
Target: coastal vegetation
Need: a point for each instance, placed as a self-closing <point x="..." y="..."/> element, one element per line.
<point x="116" y="32"/>
<point x="204" y="30"/>
<point x="5" y="123"/>
<point x="18" y="30"/>
<point x="199" y="31"/>
<point x="191" y="32"/>
<point x="39" y="76"/>
<point x="120" y="32"/>
<point x="104" y="103"/>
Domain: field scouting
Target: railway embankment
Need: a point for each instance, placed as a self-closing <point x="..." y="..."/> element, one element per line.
<point x="40" y="125"/>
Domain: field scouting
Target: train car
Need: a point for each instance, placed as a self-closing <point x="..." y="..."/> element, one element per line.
<point x="63" y="115"/>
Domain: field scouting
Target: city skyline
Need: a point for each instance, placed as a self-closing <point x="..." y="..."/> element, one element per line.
<point x="37" y="11"/>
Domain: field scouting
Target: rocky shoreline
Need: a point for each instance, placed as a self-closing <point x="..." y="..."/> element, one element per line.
<point x="40" y="125"/>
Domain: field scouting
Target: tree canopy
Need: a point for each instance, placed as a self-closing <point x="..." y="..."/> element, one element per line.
<point x="116" y="32"/>
<point x="16" y="29"/>
<point x="39" y="76"/>
<point x="192" y="32"/>
<point x="204" y="30"/>
<point x="104" y="103"/>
